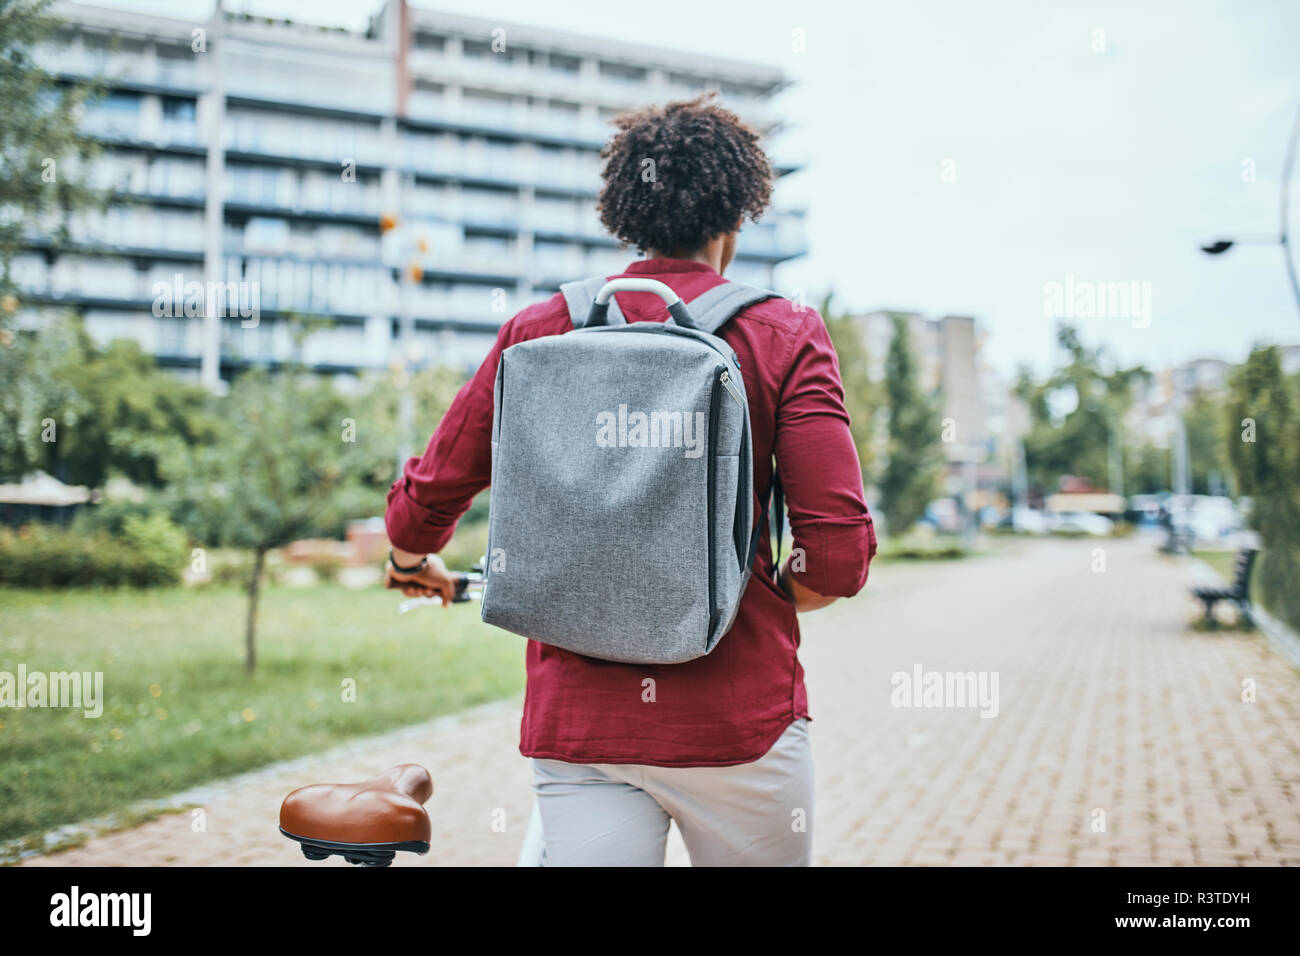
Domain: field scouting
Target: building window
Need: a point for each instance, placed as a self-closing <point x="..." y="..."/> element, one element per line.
<point x="172" y="336"/>
<point x="622" y="74"/>
<point x="479" y="49"/>
<point x="491" y="107"/>
<point x="430" y="41"/>
<point x="177" y="110"/>
<point x="688" y="81"/>
<point x="564" y="64"/>
<point x="119" y="104"/>
<point x="737" y="91"/>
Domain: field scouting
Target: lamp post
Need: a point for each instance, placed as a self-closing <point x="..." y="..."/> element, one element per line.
<point x="1283" y="238"/>
<point x="214" y="217"/>
<point x="1180" y="476"/>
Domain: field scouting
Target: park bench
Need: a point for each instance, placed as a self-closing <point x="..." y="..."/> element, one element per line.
<point x="1238" y="593"/>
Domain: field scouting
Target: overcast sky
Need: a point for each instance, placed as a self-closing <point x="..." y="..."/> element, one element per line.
<point x="962" y="155"/>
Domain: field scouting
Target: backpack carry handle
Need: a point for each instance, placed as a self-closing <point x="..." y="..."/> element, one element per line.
<point x="600" y="306"/>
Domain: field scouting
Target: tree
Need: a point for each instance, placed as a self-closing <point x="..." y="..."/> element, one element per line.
<point x="1264" y="450"/>
<point x="32" y="389"/>
<point x="1205" y="421"/>
<point x="85" y="413"/>
<point x="861" y="394"/>
<point x="911" y="476"/>
<point x="431" y="389"/>
<point x="41" y="147"/>
<point x="1147" y="469"/>
<point x="41" y="153"/>
<point x="1076" y="414"/>
<point x="290" y="449"/>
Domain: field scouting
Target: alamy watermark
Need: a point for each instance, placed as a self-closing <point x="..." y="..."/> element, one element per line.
<point x="131" y="911"/>
<point x="945" y="689"/>
<point x="634" y="429"/>
<point x="75" y="689"/>
<point x="194" y="299"/>
<point x="1086" y="299"/>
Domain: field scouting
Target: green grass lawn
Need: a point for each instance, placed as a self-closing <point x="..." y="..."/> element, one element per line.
<point x="179" y="708"/>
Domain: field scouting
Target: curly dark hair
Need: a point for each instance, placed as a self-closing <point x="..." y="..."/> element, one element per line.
<point x="708" y="172"/>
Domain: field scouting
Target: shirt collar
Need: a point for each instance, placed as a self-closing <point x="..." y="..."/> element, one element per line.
<point x="652" y="266"/>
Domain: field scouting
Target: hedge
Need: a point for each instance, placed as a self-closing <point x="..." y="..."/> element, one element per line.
<point x="149" y="552"/>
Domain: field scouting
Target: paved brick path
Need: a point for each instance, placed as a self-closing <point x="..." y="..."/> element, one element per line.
<point x="1108" y="704"/>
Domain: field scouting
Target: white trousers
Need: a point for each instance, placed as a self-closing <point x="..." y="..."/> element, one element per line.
<point x="753" y="814"/>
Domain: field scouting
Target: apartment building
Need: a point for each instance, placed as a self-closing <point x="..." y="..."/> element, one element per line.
<point x="980" y="421"/>
<point x="399" y="192"/>
<point x="947" y="355"/>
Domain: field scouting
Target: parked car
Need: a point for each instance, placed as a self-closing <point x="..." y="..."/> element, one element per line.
<point x="1079" y="522"/>
<point x="1215" y="517"/>
<point x="1207" y="518"/>
<point x="944" y="515"/>
<point x="1145" y="511"/>
<point x="1028" y="520"/>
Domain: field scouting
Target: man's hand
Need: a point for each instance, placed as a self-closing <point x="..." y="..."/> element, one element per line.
<point x="804" y="598"/>
<point x="433" y="579"/>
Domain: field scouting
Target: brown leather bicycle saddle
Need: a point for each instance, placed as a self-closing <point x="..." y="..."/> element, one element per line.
<point x="363" y="822"/>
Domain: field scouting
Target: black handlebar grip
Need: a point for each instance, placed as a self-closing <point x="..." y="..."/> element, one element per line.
<point x="462" y="589"/>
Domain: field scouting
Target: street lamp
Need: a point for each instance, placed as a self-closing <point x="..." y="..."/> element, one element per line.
<point x="1283" y="238"/>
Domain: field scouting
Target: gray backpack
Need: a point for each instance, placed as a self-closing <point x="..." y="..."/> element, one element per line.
<point x="622" y="517"/>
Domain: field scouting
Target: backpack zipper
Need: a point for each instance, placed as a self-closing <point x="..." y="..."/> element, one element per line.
<point x="721" y="380"/>
<point x="664" y="328"/>
<point x="730" y="386"/>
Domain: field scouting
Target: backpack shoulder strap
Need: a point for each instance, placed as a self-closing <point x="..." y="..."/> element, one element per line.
<point x="581" y="293"/>
<point x="712" y="310"/>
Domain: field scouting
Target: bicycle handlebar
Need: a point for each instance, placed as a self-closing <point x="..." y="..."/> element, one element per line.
<point x="469" y="587"/>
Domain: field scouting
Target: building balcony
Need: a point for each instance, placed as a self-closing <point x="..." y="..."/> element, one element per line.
<point x="775" y="241"/>
<point x="340" y="206"/>
<point x="131" y="129"/>
<point x="423" y="108"/>
<point x="503" y="75"/>
<point x="267" y="138"/>
<point x="578" y="226"/>
<point x="317" y="94"/>
<point x="123" y="69"/>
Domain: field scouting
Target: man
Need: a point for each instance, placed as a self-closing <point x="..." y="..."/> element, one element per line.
<point x="720" y="744"/>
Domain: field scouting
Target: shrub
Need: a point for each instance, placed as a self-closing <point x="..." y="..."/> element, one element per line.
<point x="326" y="566"/>
<point x="235" y="572"/>
<point x="230" y="567"/>
<point x="150" y="552"/>
<point x="467" y="547"/>
<point x="917" y="548"/>
<point x="109" y="516"/>
<point x="156" y="550"/>
<point x="43" y="556"/>
<point x="1278" y="583"/>
<point x="1263" y="402"/>
<point x="946" y="553"/>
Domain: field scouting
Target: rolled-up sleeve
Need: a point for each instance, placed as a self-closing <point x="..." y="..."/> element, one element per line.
<point x="820" y="470"/>
<point x="437" y="488"/>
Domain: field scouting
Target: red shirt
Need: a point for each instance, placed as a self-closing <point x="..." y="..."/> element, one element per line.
<point x="730" y="706"/>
